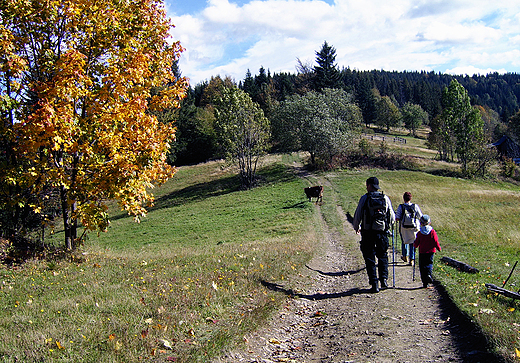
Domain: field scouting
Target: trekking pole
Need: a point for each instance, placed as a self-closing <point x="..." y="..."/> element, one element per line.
<point x="393" y="257"/>
<point x="413" y="273"/>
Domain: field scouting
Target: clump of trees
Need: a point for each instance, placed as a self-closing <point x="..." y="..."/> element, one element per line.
<point x="303" y="112"/>
<point x="459" y="130"/>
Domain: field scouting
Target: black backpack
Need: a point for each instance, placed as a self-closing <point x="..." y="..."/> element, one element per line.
<point x="408" y="219"/>
<point x="376" y="216"/>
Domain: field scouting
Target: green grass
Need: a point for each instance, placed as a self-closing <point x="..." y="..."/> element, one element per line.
<point x="189" y="273"/>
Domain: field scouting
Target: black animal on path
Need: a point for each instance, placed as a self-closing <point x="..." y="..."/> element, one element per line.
<point x="314" y="192"/>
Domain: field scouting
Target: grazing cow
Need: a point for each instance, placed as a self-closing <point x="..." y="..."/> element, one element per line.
<point x="314" y="192"/>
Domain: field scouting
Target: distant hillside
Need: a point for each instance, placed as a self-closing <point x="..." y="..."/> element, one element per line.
<point x="499" y="92"/>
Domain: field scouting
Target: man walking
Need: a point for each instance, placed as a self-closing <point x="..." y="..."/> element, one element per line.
<point x="373" y="218"/>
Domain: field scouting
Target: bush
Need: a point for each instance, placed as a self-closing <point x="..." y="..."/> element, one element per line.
<point x="508" y="168"/>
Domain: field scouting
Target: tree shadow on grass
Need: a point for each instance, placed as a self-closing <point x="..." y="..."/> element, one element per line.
<point x="192" y="193"/>
<point x="297" y="205"/>
<point x="198" y="192"/>
<point x="225" y="185"/>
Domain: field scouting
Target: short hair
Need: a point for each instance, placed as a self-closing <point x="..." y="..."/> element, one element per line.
<point x="407" y="196"/>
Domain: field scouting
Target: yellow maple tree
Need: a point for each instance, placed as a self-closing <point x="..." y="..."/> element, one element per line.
<point x="76" y="81"/>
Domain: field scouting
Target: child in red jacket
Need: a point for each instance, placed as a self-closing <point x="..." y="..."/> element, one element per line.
<point x="428" y="244"/>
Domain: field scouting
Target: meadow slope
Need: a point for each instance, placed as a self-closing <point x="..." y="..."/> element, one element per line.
<point x="196" y="276"/>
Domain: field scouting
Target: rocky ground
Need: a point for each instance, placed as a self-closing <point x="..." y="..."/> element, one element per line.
<point x="332" y="317"/>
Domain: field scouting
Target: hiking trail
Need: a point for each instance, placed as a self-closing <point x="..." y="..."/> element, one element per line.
<point x="330" y="315"/>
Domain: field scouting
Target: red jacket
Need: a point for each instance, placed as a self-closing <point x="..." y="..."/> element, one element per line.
<point x="427" y="243"/>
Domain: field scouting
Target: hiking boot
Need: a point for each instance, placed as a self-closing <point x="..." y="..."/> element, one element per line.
<point x="404" y="258"/>
<point x="384" y="285"/>
<point x="374" y="288"/>
<point x="412" y="262"/>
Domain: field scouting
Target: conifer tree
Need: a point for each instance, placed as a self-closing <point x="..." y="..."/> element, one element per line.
<point x="326" y="73"/>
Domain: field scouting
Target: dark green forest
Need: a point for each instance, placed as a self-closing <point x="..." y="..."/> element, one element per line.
<point x="377" y="93"/>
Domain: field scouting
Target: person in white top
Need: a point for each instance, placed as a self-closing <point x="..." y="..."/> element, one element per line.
<point x="408" y="215"/>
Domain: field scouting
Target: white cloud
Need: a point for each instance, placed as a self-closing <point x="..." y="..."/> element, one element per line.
<point x="471" y="70"/>
<point x="370" y="34"/>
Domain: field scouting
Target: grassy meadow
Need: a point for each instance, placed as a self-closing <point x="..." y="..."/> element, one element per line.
<point x="186" y="282"/>
<point x="178" y="286"/>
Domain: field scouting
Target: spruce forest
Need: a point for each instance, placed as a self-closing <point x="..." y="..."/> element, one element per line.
<point x="386" y="99"/>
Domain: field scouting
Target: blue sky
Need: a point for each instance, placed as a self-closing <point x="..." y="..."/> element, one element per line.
<point x="228" y="37"/>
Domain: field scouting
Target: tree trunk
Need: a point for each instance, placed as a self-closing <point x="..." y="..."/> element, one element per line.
<point x="69" y="240"/>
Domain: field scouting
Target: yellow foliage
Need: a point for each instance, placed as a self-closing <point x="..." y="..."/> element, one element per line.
<point x="88" y="70"/>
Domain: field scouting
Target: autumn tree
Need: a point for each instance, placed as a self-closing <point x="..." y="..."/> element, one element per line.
<point x="304" y="76"/>
<point x="242" y="131"/>
<point x="76" y="80"/>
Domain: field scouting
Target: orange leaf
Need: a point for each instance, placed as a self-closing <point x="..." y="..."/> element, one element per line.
<point x="144" y="333"/>
<point x="111" y="337"/>
<point x="58" y="344"/>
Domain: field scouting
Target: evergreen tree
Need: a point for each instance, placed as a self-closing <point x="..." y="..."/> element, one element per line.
<point x="326" y="73"/>
<point x="284" y="85"/>
<point x="514" y="126"/>
<point x="366" y="101"/>
<point x="249" y="86"/>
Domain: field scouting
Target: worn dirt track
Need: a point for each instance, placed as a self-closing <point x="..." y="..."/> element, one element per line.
<point x="331" y="316"/>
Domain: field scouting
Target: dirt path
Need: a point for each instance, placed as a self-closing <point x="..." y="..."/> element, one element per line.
<point x="332" y="317"/>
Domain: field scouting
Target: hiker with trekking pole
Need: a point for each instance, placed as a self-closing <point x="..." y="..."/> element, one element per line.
<point x="408" y="215"/>
<point x="428" y="243"/>
<point x="374" y="218"/>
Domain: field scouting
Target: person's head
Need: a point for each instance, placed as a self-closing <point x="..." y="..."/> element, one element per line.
<point x="407" y="196"/>
<point x="372" y="184"/>
<point x="425" y="220"/>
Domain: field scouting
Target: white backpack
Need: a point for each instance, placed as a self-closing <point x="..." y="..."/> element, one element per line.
<point x="408" y="219"/>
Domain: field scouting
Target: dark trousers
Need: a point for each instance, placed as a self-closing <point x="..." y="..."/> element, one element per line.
<point x="426" y="267"/>
<point x="375" y="244"/>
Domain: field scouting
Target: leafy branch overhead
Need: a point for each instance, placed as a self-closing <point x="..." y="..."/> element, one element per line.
<point x="77" y="78"/>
